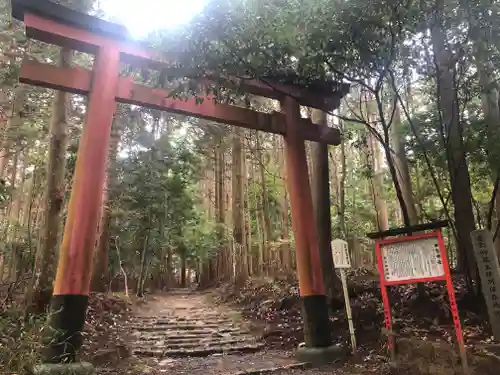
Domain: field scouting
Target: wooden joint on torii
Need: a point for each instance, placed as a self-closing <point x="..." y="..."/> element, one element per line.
<point x="55" y="24"/>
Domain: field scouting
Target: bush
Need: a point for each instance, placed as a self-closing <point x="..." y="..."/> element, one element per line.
<point x="19" y="341"/>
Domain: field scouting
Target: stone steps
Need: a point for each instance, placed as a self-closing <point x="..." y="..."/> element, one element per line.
<point x="178" y="327"/>
<point x="191" y="345"/>
<point x="175" y="331"/>
<point x="189" y="340"/>
<point x="197" y="352"/>
<point x="187" y="321"/>
<point x="195" y="331"/>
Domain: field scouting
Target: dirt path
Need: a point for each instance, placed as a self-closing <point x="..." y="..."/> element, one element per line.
<point x="183" y="332"/>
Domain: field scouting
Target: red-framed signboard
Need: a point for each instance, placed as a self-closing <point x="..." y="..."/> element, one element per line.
<point x="415" y="259"/>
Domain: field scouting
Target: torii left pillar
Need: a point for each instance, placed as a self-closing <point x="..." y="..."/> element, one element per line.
<point x="72" y="283"/>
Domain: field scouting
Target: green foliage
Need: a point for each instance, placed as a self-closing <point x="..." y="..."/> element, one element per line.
<point x="19" y="341"/>
<point x="156" y="202"/>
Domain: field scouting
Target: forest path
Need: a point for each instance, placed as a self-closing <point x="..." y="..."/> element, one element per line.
<point x="184" y="332"/>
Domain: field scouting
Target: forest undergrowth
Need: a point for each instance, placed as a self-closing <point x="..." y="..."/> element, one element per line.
<point x="105" y="334"/>
<point x="425" y="337"/>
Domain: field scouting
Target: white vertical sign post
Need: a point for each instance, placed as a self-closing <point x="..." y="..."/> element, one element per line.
<point x="489" y="271"/>
<point x="341" y="260"/>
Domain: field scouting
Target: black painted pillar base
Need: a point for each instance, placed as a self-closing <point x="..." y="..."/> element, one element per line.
<point x="316" y="321"/>
<point x="63" y="337"/>
<point x="318" y="348"/>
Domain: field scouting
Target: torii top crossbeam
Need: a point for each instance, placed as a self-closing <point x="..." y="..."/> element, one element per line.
<point x="55" y="24"/>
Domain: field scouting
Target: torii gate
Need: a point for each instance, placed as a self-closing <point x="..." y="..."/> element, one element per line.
<point x="109" y="43"/>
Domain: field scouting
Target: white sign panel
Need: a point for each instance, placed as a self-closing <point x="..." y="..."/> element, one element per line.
<point x="409" y="260"/>
<point x="340" y="253"/>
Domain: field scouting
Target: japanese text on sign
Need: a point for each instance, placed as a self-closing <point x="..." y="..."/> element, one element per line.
<point x="340" y="253"/>
<point x="409" y="260"/>
<point x="489" y="271"/>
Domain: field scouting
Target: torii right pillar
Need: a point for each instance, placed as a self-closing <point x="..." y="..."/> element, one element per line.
<point x="317" y="335"/>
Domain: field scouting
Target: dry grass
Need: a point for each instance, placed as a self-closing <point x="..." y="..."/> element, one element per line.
<point x="19" y="341"/>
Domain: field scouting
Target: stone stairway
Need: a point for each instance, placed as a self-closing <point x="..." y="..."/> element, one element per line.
<point x="187" y="327"/>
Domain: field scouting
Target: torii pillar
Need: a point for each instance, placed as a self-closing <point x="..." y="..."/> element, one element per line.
<point x="317" y="334"/>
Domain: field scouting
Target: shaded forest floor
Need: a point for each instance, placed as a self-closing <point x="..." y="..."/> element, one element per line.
<point x="426" y="342"/>
<point x="262" y="318"/>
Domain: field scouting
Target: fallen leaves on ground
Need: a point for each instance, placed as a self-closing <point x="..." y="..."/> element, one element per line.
<point x="106" y="329"/>
<point x="423" y="317"/>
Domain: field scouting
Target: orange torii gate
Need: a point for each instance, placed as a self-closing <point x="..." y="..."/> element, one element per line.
<point x="55" y="24"/>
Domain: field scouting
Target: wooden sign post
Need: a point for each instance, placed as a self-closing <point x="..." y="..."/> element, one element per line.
<point x="342" y="260"/>
<point x="414" y="259"/>
<point x="489" y="271"/>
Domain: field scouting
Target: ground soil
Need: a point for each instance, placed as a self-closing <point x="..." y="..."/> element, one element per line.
<point x="255" y="329"/>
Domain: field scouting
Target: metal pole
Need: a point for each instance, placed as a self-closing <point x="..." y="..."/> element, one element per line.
<point x="387" y="306"/>
<point x="453" y="304"/>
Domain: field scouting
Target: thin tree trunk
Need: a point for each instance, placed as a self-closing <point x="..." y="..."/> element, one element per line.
<point x="457" y="163"/>
<point x="258" y="216"/>
<point x="220" y="209"/>
<point x="142" y="271"/>
<point x="286" y="256"/>
<point x="46" y="255"/>
<point x="341" y="212"/>
<point x="183" y="266"/>
<point x="265" y="214"/>
<point x="100" y="271"/>
<point x="401" y="167"/>
<point x="125" y="278"/>
<point x="14" y="216"/>
<point x="491" y="108"/>
<point x="377" y="183"/>
<point x="11" y="128"/>
<point x="247" y="248"/>
<point x="238" y="206"/>
<point x="28" y="201"/>
<point x="11" y="271"/>
<point x="170" y="268"/>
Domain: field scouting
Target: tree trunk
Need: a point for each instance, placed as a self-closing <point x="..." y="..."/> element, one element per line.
<point x="259" y="224"/>
<point x="11" y="128"/>
<point x="246" y="211"/>
<point x="265" y="215"/>
<point x="11" y="271"/>
<point x="100" y="271"/>
<point x="142" y="270"/>
<point x="170" y="268"/>
<point x="17" y="197"/>
<point x="401" y="167"/>
<point x="45" y="268"/>
<point x="457" y="164"/>
<point x="220" y="210"/>
<point x="238" y="206"/>
<point x="183" y="254"/>
<point x="341" y="212"/>
<point x="321" y="201"/>
<point x="28" y="201"/>
<point x="286" y="256"/>
<point x="491" y="108"/>
<point x="375" y="159"/>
